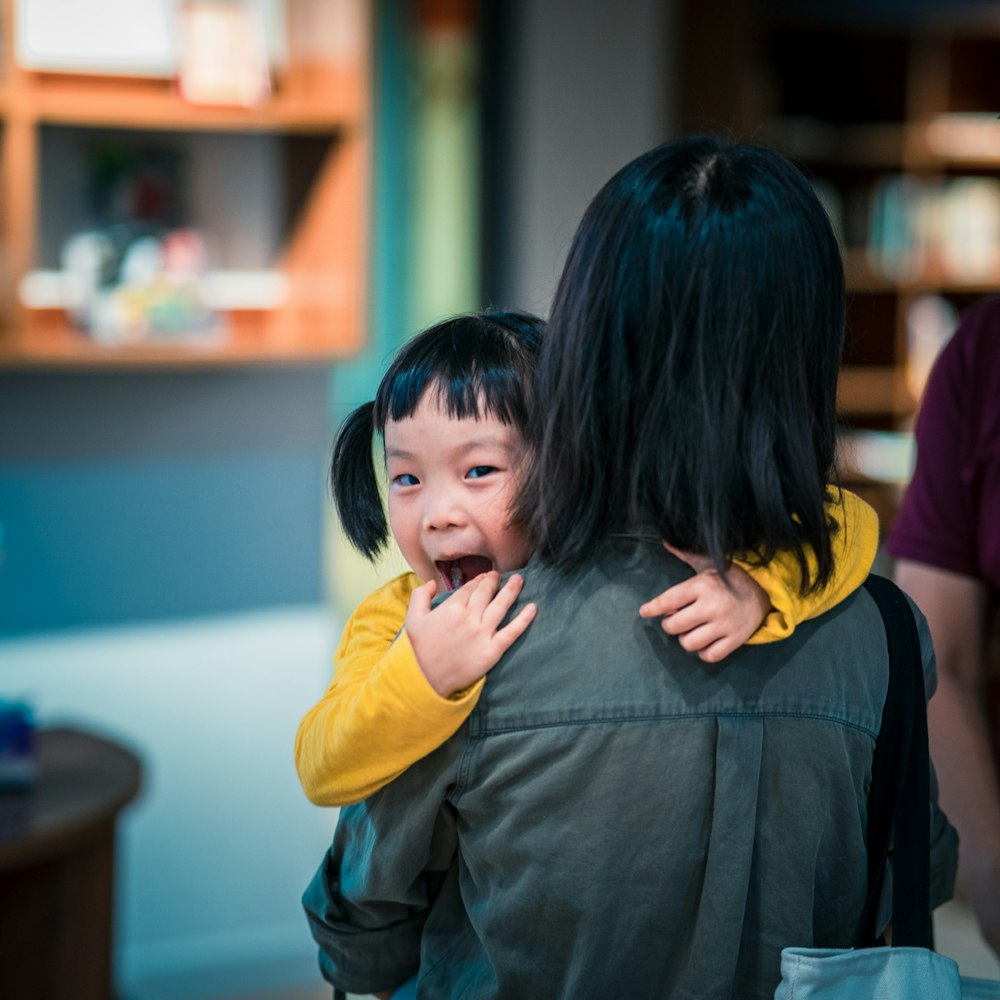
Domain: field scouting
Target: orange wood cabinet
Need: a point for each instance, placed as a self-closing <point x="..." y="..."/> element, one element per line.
<point x="318" y="114"/>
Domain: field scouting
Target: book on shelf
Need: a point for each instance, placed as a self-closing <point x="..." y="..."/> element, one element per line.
<point x="223" y="57"/>
<point x="879" y="456"/>
<point x="919" y="229"/>
<point x="946" y="229"/>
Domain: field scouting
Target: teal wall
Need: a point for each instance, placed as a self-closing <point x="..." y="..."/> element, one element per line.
<point x="143" y="496"/>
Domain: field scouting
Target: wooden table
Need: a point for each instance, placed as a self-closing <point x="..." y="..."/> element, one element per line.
<point x="57" y="860"/>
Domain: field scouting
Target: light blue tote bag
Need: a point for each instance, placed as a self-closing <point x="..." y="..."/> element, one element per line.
<point x="909" y="969"/>
<point x="876" y="974"/>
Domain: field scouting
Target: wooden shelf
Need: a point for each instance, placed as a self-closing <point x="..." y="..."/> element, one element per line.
<point x="863" y="277"/>
<point x="819" y="142"/>
<point x="971" y="141"/>
<point x="248" y="337"/>
<point x="930" y="19"/>
<point x="316" y="237"/>
<point x="935" y="143"/>
<point x="868" y="390"/>
<point x="84" y="355"/>
<point x="340" y="103"/>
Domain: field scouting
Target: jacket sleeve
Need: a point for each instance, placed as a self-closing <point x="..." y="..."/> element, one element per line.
<point x="855" y="542"/>
<point x="369" y="900"/>
<point x="379" y="715"/>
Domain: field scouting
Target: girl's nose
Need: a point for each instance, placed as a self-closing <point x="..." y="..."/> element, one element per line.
<point x="443" y="510"/>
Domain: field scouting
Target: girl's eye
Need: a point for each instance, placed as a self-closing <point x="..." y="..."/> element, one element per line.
<point x="478" y="471"/>
<point x="406" y="479"/>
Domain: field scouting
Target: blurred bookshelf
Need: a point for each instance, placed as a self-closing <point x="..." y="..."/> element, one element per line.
<point x="891" y="109"/>
<point x="271" y="192"/>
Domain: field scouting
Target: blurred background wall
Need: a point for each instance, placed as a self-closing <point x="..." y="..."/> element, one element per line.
<point x="170" y="573"/>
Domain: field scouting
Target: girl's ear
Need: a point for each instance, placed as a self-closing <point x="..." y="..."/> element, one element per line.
<point x="354" y="484"/>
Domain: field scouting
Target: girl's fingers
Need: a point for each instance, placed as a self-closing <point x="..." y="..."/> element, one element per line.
<point x="697" y="562"/>
<point x="685" y="620"/>
<point x="514" y="629"/>
<point x="420" y="599"/>
<point x="503" y="601"/>
<point x="670" y="601"/>
<point x="719" y="650"/>
<point x="481" y="590"/>
<point x="463" y="595"/>
<point x="697" y="639"/>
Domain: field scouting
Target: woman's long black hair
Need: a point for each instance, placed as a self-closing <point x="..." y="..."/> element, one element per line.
<point x="688" y="377"/>
<point x="479" y="364"/>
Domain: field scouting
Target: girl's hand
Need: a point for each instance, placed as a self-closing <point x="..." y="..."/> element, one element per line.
<point x="457" y="642"/>
<point x="707" y="616"/>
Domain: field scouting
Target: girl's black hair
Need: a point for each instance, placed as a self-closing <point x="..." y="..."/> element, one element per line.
<point x="479" y="364"/>
<point x="687" y="382"/>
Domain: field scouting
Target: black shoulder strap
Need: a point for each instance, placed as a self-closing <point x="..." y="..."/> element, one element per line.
<point x="899" y="797"/>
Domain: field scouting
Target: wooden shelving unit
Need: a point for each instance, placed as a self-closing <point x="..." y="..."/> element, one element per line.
<point x="859" y="92"/>
<point x="319" y="113"/>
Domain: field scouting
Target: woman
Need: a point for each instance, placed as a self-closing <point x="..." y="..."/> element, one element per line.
<point x="615" y="818"/>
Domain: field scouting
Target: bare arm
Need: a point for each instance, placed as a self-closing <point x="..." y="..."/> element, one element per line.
<point x="955" y="608"/>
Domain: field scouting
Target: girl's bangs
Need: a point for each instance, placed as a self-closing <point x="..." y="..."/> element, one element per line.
<point x="461" y="393"/>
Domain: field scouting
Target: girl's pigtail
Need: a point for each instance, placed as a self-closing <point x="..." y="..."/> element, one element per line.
<point x="354" y="485"/>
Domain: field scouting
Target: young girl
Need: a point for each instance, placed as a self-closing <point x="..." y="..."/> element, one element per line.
<point x="451" y="411"/>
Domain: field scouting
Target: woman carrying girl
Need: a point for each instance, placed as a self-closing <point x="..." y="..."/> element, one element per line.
<point x="452" y="411"/>
<point x="616" y="818"/>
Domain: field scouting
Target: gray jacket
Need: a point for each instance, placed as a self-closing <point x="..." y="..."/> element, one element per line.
<point x="617" y="818"/>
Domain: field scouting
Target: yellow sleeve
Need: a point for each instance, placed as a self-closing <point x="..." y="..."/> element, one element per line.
<point x="379" y="715"/>
<point x="854" y="545"/>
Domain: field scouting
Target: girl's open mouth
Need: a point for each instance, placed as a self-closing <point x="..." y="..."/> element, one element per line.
<point x="458" y="571"/>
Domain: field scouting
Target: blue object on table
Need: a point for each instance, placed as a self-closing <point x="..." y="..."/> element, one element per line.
<point x="18" y="757"/>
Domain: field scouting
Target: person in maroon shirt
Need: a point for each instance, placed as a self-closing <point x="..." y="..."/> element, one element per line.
<point x="946" y="540"/>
